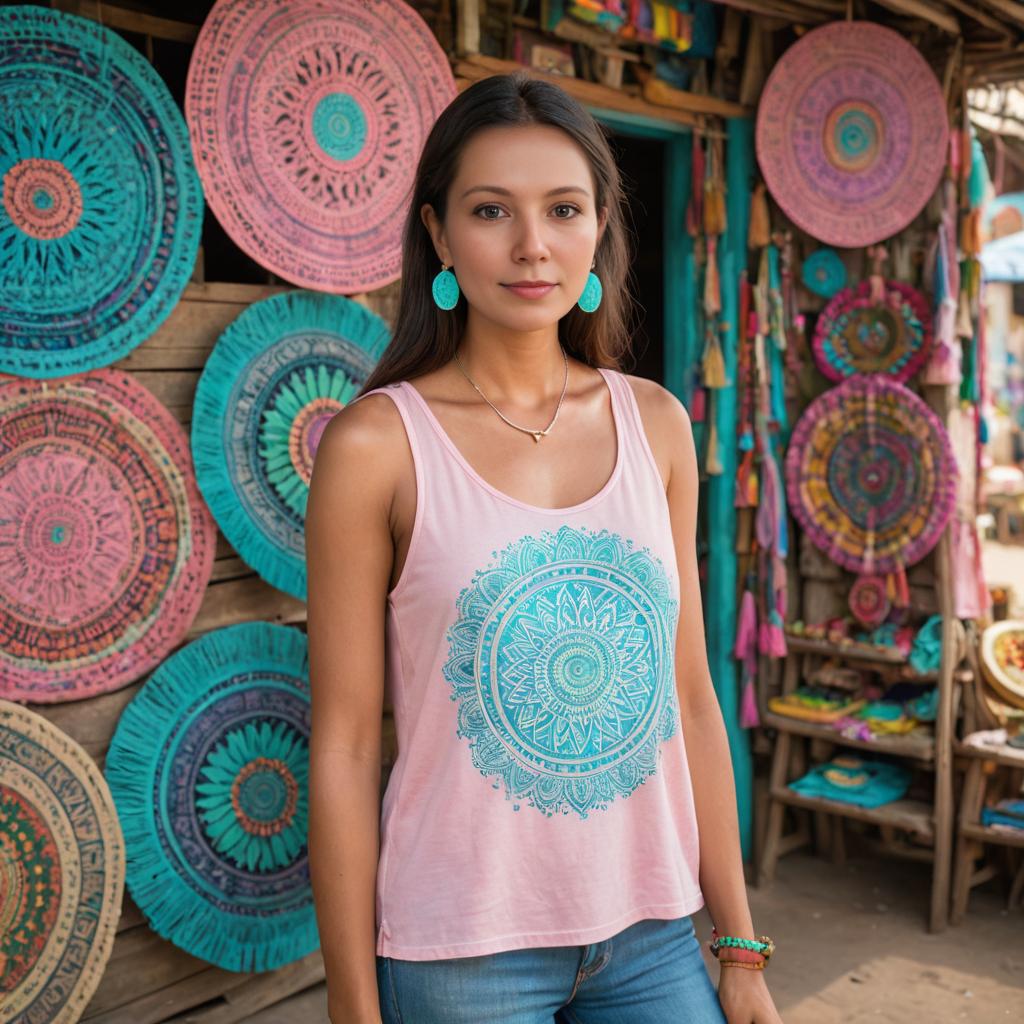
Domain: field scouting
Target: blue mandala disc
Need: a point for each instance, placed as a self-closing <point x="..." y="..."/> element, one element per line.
<point x="562" y="663"/>
<point x="100" y="204"/>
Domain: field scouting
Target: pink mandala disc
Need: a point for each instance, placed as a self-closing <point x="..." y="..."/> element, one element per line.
<point x="851" y="133"/>
<point x="105" y="544"/>
<point x="307" y="119"/>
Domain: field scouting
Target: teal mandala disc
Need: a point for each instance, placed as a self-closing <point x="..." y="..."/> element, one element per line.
<point x="274" y="380"/>
<point x="209" y="772"/>
<point x="561" y="661"/>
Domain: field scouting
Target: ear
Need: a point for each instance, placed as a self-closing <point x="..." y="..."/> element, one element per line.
<point x="436" y="231"/>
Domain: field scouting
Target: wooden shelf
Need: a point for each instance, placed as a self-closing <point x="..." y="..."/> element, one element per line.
<point x="920" y="747"/>
<point x="1005" y="755"/>
<point x="859" y="652"/>
<point x="913" y="815"/>
<point x="987" y="834"/>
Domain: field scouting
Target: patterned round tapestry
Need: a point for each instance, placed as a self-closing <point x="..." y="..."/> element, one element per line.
<point x="854" y="334"/>
<point x="561" y="663"/>
<point x="209" y="770"/>
<point x="870" y="475"/>
<point x="100" y="205"/>
<point x="106" y="546"/>
<point x="307" y="120"/>
<point x="851" y="133"/>
<point x="273" y="381"/>
<point x="823" y="272"/>
<point x="62" y="864"/>
<point x="869" y="600"/>
<point x="1002" y="659"/>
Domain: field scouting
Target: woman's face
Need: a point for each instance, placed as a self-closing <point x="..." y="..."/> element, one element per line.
<point x="520" y="210"/>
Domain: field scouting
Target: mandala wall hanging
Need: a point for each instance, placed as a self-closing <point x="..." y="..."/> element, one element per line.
<point x="62" y="865"/>
<point x="869" y="601"/>
<point x="870" y="475"/>
<point x="273" y="381"/>
<point x="209" y="770"/>
<point x="823" y="272"/>
<point x="106" y="546"/>
<point x="100" y="205"/>
<point x="307" y="120"/>
<point x="851" y="133"/>
<point x="855" y="334"/>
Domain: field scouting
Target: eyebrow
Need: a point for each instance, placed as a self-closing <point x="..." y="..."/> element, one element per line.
<point x="505" y="192"/>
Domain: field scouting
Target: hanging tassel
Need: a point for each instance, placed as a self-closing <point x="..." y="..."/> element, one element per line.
<point x="698" y="404"/>
<point x="760" y="233"/>
<point x="776" y="636"/>
<point x="713" y="361"/>
<point x="746" y="626"/>
<point x="878" y="255"/>
<point x="749" y="717"/>
<point x="712" y="288"/>
<point x="695" y="208"/>
<point x="713" y="464"/>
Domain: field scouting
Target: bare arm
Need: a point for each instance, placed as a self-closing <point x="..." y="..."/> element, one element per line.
<point x="349" y="559"/>
<point x="743" y="994"/>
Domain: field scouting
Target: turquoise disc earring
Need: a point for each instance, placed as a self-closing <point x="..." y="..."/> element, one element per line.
<point x="592" y="294"/>
<point x="445" y="289"/>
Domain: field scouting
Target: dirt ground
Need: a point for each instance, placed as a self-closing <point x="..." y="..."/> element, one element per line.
<point x="853" y="947"/>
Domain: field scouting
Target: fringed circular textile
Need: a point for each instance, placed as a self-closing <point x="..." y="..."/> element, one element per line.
<point x="209" y="770"/>
<point x="100" y="205"/>
<point x="1002" y="658"/>
<point x="273" y="381"/>
<point x="851" y="133"/>
<point x="62" y="865"/>
<point x="824" y="272"/>
<point x="855" y="334"/>
<point x="106" y="546"/>
<point x="869" y="600"/>
<point x="870" y="475"/>
<point x="307" y="120"/>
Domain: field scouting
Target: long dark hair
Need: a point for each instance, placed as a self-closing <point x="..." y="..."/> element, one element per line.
<point x="426" y="337"/>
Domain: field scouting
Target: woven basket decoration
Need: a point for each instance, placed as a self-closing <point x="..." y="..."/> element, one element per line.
<point x="870" y="475"/>
<point x="273" y="381"/>
<point x="851" y="133"/>
<point x="100" y="204"/>
<point x="307" y="120"/>
<point x="209" y="770"/>
<point x="105" y="544"/>
<point x="823" y="272"/>
<point x="854" y="334"/>
<point x="1002" y="659"/>
<point x="62" y="866"/>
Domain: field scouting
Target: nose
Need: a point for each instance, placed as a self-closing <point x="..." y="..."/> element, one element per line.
<point x="530" y="245"/>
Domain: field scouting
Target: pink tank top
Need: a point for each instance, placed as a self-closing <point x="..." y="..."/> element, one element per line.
<point x="540" y="795"/>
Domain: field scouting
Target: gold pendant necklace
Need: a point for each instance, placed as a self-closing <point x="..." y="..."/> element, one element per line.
<point x="535" y="434"/>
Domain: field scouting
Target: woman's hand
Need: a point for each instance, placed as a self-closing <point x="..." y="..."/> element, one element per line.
<point x="744" y="997"/>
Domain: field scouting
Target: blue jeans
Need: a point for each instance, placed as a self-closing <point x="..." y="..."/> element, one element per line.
<point x="650" y="973"/>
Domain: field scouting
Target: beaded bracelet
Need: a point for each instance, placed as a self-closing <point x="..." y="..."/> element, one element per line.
<point x="758" y="966"/>
<point x="765" y="946"/>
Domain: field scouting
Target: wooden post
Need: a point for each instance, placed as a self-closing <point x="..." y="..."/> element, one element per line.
<point x="467" y="27"/>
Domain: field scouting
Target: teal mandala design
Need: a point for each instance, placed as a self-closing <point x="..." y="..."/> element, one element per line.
<point x="253" y="798"/>
<point x="561" y="661"/>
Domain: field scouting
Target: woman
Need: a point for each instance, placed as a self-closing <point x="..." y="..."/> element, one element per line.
<point x="501" y="538"/>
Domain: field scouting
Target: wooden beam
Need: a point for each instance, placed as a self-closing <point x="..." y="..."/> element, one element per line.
<point x="686" y="106"/>
<point x="791" y="12"/>
<point x="130" y="21"/>
<point x="467" y="27"/>
<point x="970" y="8"/>
<point x="1007" y="8"/>
<point x="926" y="11"/>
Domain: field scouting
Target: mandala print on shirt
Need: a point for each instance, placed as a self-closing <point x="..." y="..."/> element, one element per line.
<point x="561" y="661"/>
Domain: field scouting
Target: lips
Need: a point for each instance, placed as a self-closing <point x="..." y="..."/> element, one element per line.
<point x="529" y="289"/>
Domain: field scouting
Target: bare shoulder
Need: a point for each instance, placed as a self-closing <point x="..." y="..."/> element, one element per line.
<point x="664" y="416"/>
<point x="365" y="441"/>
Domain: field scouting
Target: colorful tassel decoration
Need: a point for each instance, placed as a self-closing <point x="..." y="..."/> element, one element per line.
<point x="760" y="232"/>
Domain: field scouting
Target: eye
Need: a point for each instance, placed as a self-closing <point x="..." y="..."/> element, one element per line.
<point x="573" y="210"/>
<point x="487" y="206"/>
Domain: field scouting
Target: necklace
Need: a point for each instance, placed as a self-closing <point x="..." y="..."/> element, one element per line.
<point x="535" y="434"/>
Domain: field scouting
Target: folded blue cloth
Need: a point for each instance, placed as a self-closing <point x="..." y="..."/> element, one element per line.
<point x="855" y="781"/>
<point x="1006" y="812"/>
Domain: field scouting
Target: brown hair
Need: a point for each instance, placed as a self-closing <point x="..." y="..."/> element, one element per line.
<point x="427" y="337"/>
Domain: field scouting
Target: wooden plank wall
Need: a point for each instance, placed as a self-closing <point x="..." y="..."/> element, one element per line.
<point x="148" y="979"/>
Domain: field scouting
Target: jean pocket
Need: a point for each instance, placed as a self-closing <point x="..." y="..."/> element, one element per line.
<point x="389" y="1011"/>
